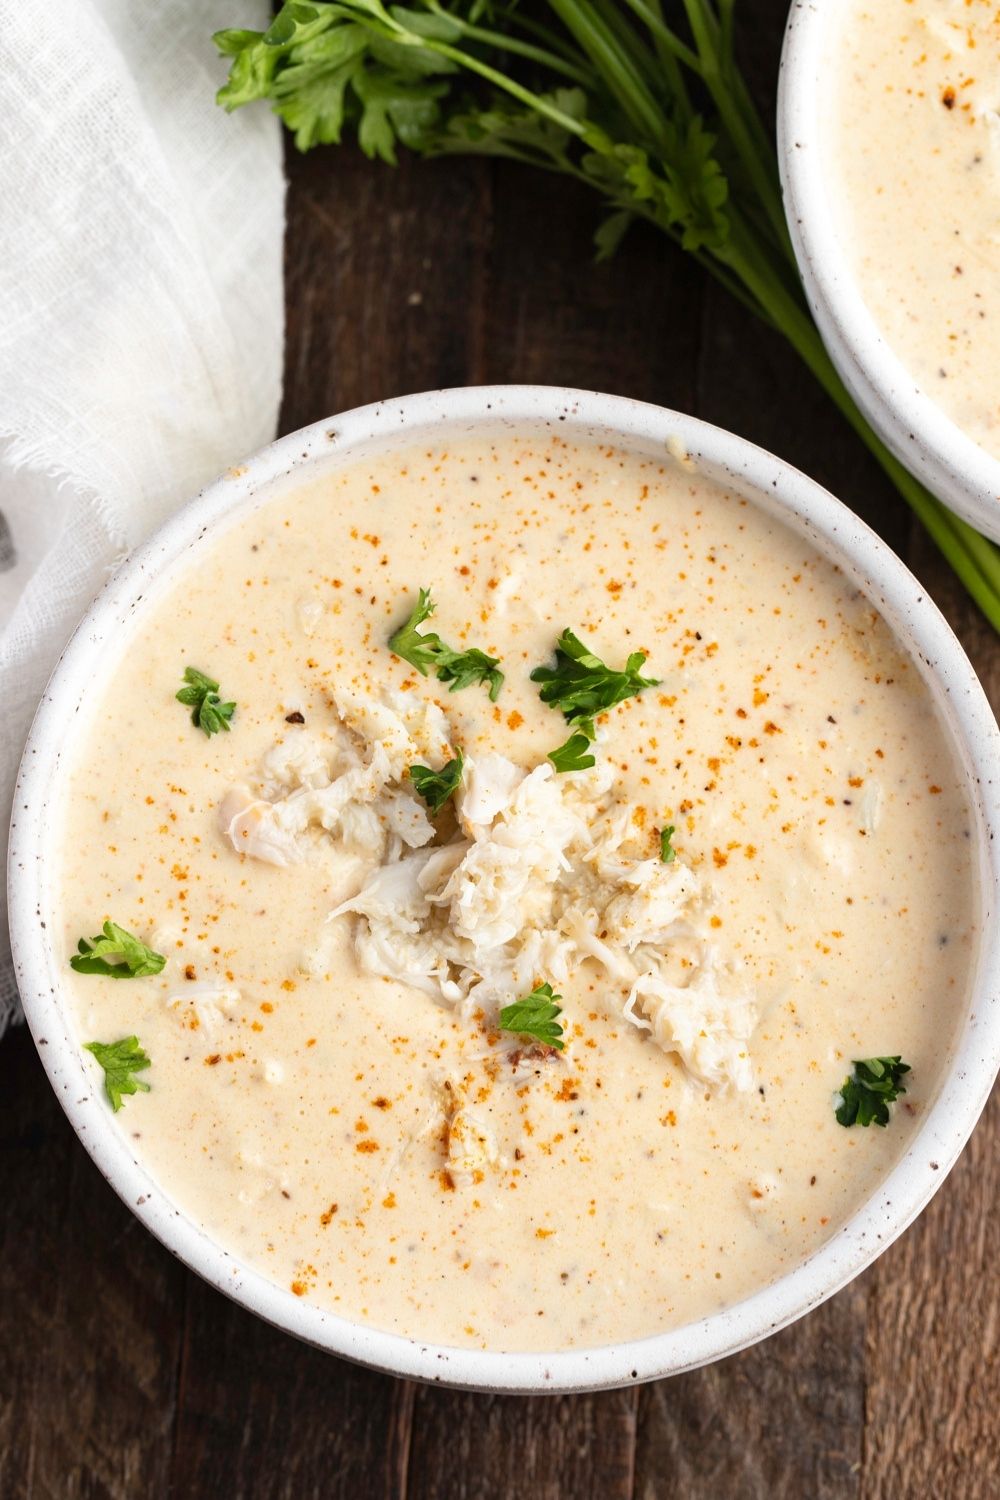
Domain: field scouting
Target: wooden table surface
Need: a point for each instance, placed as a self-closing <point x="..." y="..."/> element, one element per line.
<point x="121" y="1374"/>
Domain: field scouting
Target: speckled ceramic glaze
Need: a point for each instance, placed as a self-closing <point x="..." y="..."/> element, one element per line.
<point x="918" y="432"/>
<point x="780" y="491"/>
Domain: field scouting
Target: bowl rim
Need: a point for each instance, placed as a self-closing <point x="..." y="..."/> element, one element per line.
<point x="921" y="435"/>
<point x="782" y="491"/>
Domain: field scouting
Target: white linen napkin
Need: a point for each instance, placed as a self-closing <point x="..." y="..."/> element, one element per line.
<point x="141" y="310"/>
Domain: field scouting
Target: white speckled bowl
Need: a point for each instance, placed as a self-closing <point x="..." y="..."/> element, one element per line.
<point x="780" y="490"/>
<point x="947" y="460"/>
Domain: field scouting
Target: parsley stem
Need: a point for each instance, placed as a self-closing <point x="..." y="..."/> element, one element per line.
<point x="553" y="41"/>
<point x="626" y="84"/>
<point x="670" y="50"/>
<point x="510" y="86"/>
<point x="623" y="34"/>
<point x="661" y="32"/>
<point x="504" y="42"/>
<point x="741" y="121"/>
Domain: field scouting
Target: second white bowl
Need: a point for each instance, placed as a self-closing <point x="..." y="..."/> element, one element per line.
<point x="947" y="460"/>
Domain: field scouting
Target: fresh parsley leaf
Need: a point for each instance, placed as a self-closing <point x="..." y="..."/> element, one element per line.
<point x="502" y="128"/>
<point x="667" y="851"/>
<point x="428" y="652"/>
<point x="463" y="668"/>
<point x="419" y="650"/>
<point x="330" y="66"/>
<point x="120" y="1061"/>
<point x="583" y="686"/>
<point x="437" y="786"/>
<point x="575" y="754"/>
<point x="535" y="1016"/>
<point x="869" y="1089"/>
<point x="117" y="954"/>
<point x="201" y="695"/>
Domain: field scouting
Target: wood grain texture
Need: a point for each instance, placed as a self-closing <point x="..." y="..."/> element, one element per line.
<point x="123" y="1376"/>
<point x="468" y="1447"/>
<point x="378" y="302"/>
<point x="782" y="1419"/>
<point x="261" y="1414"/>
<point x="91" y="1310"/>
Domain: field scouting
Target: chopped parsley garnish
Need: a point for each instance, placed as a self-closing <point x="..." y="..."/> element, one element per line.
<point x="535" y="1016"/>
<point x="582" y="686"/>
<point x="575" y="754"/>
<point x="120" y="1061"/>
<point x="201" y="696"/>
<point x="437" y="786"/>
<point x="428" y="652"/>
<point x="868" y="1091"/>
<point x="116" y="953"/>
<point x="667" y="851"/>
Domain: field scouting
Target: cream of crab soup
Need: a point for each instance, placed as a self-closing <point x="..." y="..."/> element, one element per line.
<point x="913" y="148"/>
<point x="512" y="1010"/>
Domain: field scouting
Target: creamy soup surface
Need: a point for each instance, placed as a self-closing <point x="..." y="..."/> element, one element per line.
<point x="306" y="1111"/>
<point x="913" y="149"/>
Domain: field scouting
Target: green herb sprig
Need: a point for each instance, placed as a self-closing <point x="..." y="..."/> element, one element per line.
<point x="653" y="114"/>
<point x="428" y="652"/>
<point x="535" y="1016"/>
<point x="121" y="1061"/>
<point x="575" y="754"/>
<point x="117" y="954"/>
<point x="667" y="851"/>
<point x="582" y="686"/>
<point x="869" y="1089"/>
<point x="437" y="786"/>
<point x="201" y="695"/>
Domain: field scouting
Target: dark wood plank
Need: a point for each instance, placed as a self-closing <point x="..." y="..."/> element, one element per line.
<point x="90" y="1312"/>
<point x="469" y="1447"/>
<point x="555" y="317"/>
<point x="260" y="1414"/>
<point x="782" y="1419"/>
<point x="383" y="279"/>
<point x="933" y="1345"/>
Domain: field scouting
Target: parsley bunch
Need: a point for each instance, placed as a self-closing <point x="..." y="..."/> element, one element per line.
<point x="655" y="117"/>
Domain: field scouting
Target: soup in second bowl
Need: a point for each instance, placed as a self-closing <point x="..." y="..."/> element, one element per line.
<point x="913" y="160"/>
